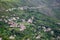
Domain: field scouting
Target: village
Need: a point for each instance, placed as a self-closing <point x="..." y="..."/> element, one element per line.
<point x="21" y="26"/>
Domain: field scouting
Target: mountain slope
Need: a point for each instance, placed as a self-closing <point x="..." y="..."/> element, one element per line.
<point x="51" y="7"/>
<point x="26" y="24"/>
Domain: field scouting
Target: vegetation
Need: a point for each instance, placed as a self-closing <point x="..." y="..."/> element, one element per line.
<point x="36" y="25"/>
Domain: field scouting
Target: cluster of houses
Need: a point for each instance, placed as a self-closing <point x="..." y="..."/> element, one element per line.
<point x="22" y="27"/>
<point x="12" y="22"/>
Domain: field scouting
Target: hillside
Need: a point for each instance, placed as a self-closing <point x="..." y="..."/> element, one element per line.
<point x="20" y="23"/>
<point x="51" y="7"/>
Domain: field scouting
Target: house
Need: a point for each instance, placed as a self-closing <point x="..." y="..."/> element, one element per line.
<point x="14" y="25"/>
<point x="22" y="27"/>
<point x="6" y="16"/>
<point x="28" y="39"/>
<point x="17" y="17"/>
<point x="10" y="22"/>
<point x="30" y="21"/>
<point x="14" y="18"/>
<point x="23" y="20"/>
<point x="47" y="29"/>
<point x="52" y="32"/>
<point x="12" y="37"/>
<point x="0" y="19"/>
<point x="58" y="23"/>
<point x="38" y="37"/>
<point x="9" y="19"/>
<point x="3" y="16"/>
<point x="21" y="8"/>
<point x="5" y="20"/>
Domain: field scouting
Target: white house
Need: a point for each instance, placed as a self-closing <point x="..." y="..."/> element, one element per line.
<point x="12" y="37"/>
<point x="22" y="27"/>
<point x="30" y="21"/>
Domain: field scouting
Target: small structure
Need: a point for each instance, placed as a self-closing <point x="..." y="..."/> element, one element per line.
<point x="6" y="16"/>
<point x="58" y="23"/>
<point x="17" y="17"/>
<point x="58" y="37"/>
<point x="22" y="27"/>
<point x="5" y="20"/>
<point x="12" y="37"/>
<point x="23" y="20"/>
<point x="21" y="8"/>
<point x="28" y="39"/>
<point x="32" y="17"/>
<point x="38" y="37"/>
<point x="10" y="9"/>
<point x="14" y="18"/>
<point x="3" y="16"/>
<point x="6" y="10"/>
<point x="10" y="22"/>
<point x="9" y="19"/>
<point x="14" y="25"/>
<point x="13" y="9"/>
<point x="30" y="21"/>
<point x="0" y="19"/>
<point x="47" y="30"/>
<point x="52" y="32"/>
<point x="14" y="15"/>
